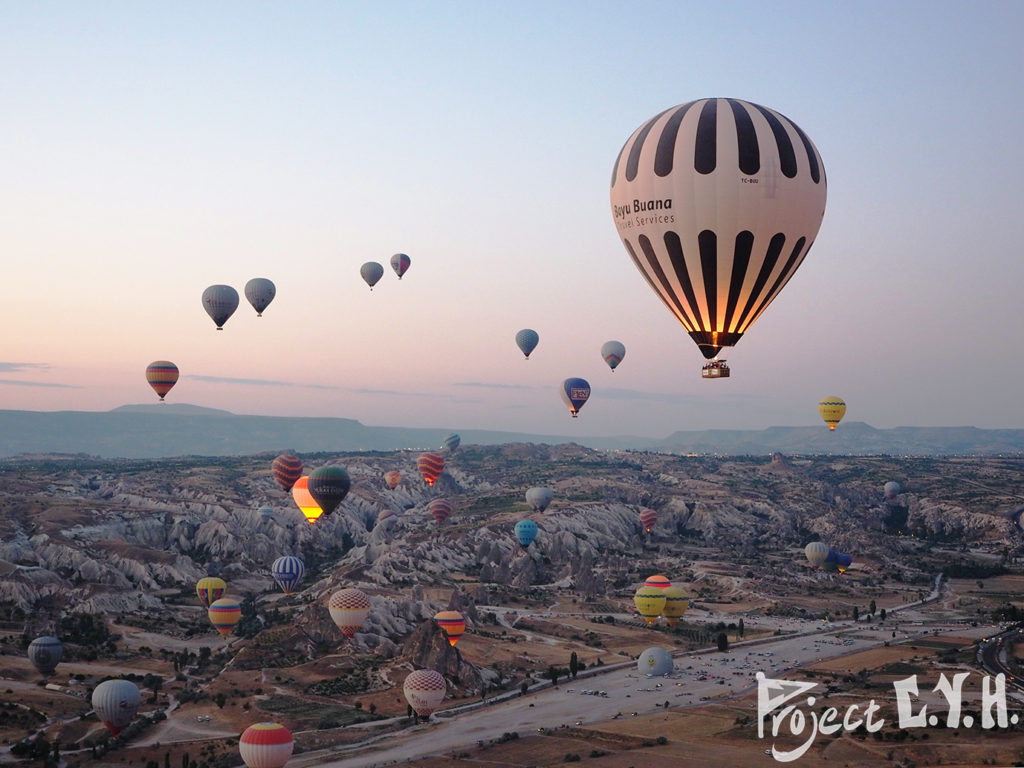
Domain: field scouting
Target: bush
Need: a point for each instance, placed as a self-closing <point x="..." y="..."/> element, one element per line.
<point x="572" y="757"/>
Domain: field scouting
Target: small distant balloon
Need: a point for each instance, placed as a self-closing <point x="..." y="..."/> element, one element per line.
<point x="440" y="510"/>
<point x="575" y="393"/>
<point x="260" y="292"/>
<point x="265" y="745"/>
<point x="400" y="263"/>
<point x="648" y="519"/>
<point x="287" y="468"/>
<point x="816" y="552"/>
<point x="453" y="624"/>
<point x="266" y="513"/>
<point x="658" y="581"/>
<point x="224" y="615"/>
<point x="305" y="501"/>
<point x="162" y="375"/>
<point x="451" y="443"/>
<point x="430" y="465"/>
<point x="220" y="303"/>
<point x="210" y="589"/>
<point x="892" y="490"/>
<point x="424" y="690"/>
<point x="45" y="653"/>
<point x="288" y="571"/>
<point x="539" y="498"/>
<point x="526" y="533"/>
<point x="613" y="352"/>
<point x="349" y="609"/>
<point x="393" y="478"/>
<point x="329" y="486"/>
<point x="527" y="340"/>
<point x="116" y="702"/>
<point x="832" y="409"/>
<point x="371" y="272"/>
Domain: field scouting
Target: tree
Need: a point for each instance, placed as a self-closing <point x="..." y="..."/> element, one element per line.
<point x="553" y="674"/>
<point x="741" y="627"/>
<point x="184" y="760"/>
<point x="220" y="699"/>
<point x="574" y="664"/>
<point x="871" y="608"/>
<point x="856" y="613"/>
<point x="524" y="688"/>
<point x="882" y="614"/>
<point x="723" y="642"/>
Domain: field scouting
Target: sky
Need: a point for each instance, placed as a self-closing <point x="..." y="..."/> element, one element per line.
<point x="150" y="150"/>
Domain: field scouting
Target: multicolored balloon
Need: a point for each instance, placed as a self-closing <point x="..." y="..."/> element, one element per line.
<point x="210" y="589"/>
<point x="832" y="409"/>
<point x="648" y="519"/>
<point x="392" y="478"/>
<point x="612" y="352"/>
<point x="260" y="292"/>
<point x="717" y="202"/>
<point x="220" y="303"/>
<point x="305" y="501"/>
<point x="424" y="690"/>
<point x="266" y="745"/>
<point x="575" y="392"/>
<point x="45" y="653"/>
<point x="526" y="533"/>
<point x="287" y="468"/>
<point x="116" y="702"/>
<point x="162" y="375"/>
<point x="649" y="602"/>
<point x="816" y="552"/>
<point x="676" y="604"/>
<point x="451" y="443"/>
<point x="349" y="609"/>
<point x="539" y="498"/>
<point x="329" y="486"/>
<point x="371" y="272"/>
<point x="288" y="571"/>
<point x="430" y="465"/>
<point x="440" y="510"/>
<point x="400" y="263"/>
<point x="224" y="615"/>
<point x="453" y="624"/>
<point x="658" y="582"/>
<point x="527" y="340"/>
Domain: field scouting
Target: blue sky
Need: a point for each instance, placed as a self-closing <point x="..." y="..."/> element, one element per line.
<point x="151" y="150"/>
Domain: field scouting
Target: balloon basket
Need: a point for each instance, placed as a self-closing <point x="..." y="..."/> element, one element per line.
<point x="717" y="369"/>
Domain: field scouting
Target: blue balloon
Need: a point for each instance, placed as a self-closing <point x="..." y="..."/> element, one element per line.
<point x="574" y="394"/>
<point x="288" y="571"/>
<point x="526" y="532"/>
<point x="527" y="340"/>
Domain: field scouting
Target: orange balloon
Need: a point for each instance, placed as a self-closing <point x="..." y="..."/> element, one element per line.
<point x="305" y="501"/>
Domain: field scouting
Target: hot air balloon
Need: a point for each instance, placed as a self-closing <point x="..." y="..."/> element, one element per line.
<point x="265" y="745"/>
<point x="287" y="572"/>
<point x="304" y="501"/>
<point x="162" y="375"/>
<point x="209" y="589"/>
<point x="892" y="490"/>
<point x="575" y="393"/>
<point x="329" y="486"/>
<point x="266" y="513"/>
<point x="387" y="514"/>
<point x="832" y="410"/>
<point x="371" y="272"/>
<point x="649" y="602"/>
<point x="392" y="478"/>
<point x="648" y="519"/>
<point x="612" y="352"/>
<point x="539" y="498"/>
<point x="843" y="561"/>
<point x="424" y="690"/>
<point x="224" y="614"/>
<point x="658" y="582"/>
<point x="116" y="702"/>
<point x="400" y="263"/>
<point x="287" y="469"/>
<point x="816" y="553"/>
<point x="220" y="302"/>
<point x="440" y="510"/>
<point x="451" y="443"/>
<point x="430" y="465"/>
<point x="526" y="532"/>
<point x="260" y="292"/>
<point x="654" y="662"/>
<point x="527" y="340"/>
<point x="676" y="604"/>
<point x="45" y="653"/>
<point x="453" y="625"/>
<point x="717" y="202"/>
<point x="349" y="609"/>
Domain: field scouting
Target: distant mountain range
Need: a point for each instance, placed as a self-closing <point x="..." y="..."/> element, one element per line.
<point x="159" y="430"/>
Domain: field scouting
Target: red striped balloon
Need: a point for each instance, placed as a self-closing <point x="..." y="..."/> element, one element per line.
<point x="224" y="615"/>
<point x="424" y="690"/>
<point x="287" y="468"/>
<point x="453" y="625"/>
<point x="266" y="745"/>
<point x="349" y="609"/>
<point x="162" y="375"/>
<point x="648" y="518"/>
<point x="659" y="581"/>
<point x="440" y="510"/>
<point x="430" y="465"/>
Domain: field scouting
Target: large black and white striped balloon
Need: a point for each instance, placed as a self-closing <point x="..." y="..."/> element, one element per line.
<point x="718" y="202"/>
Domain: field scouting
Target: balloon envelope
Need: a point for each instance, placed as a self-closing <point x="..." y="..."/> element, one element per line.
<point x="451" y="442"/>
<point x="424" y="690"/>
<point x="162" y="375"/>
<point x="527" y="340"/>
<point x="209" y="589"/>
<point x="224" y="615"/>
<point x="649" y="602"/>
<point x="400" y="263"/>
<point x="305" y="501"/>
<point x="526" y="532"/>
<point x="892" y="489"/>
<point x="655" y="661"/>
<point x="116" y="702"/>
<point x="329" y="486"/>
<point x="220" y="302"/>
<point x="575" y="392"/>
<point x="658" y="581"/>
<point x="816" y="552"/>
<point x="288" y="572"/>
<point x="440" y="510"/>
<point x="453" y="624"/>
<point x="265" y="745"/>
<point x="349" y="609"/>
<point x="392" y="478"/>
<point x="717" y="203"/>
<point x="539" y="498"/>
<point x="676" y="604"/>
<point x="648" y="519"/>
<point x="832" y="409"/>
<point x="260" y="292"/>
<point x="45" y="653"/>
<point x="430" y="465"/>
<point x="287" y="468"/>
<point x="612" y="353"/>
<point x="371" y="272"/>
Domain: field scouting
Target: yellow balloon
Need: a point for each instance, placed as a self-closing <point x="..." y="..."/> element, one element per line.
<point x="676" y="604"/>
<point x="832" y="410"/>
<point x="649" y="602"/>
